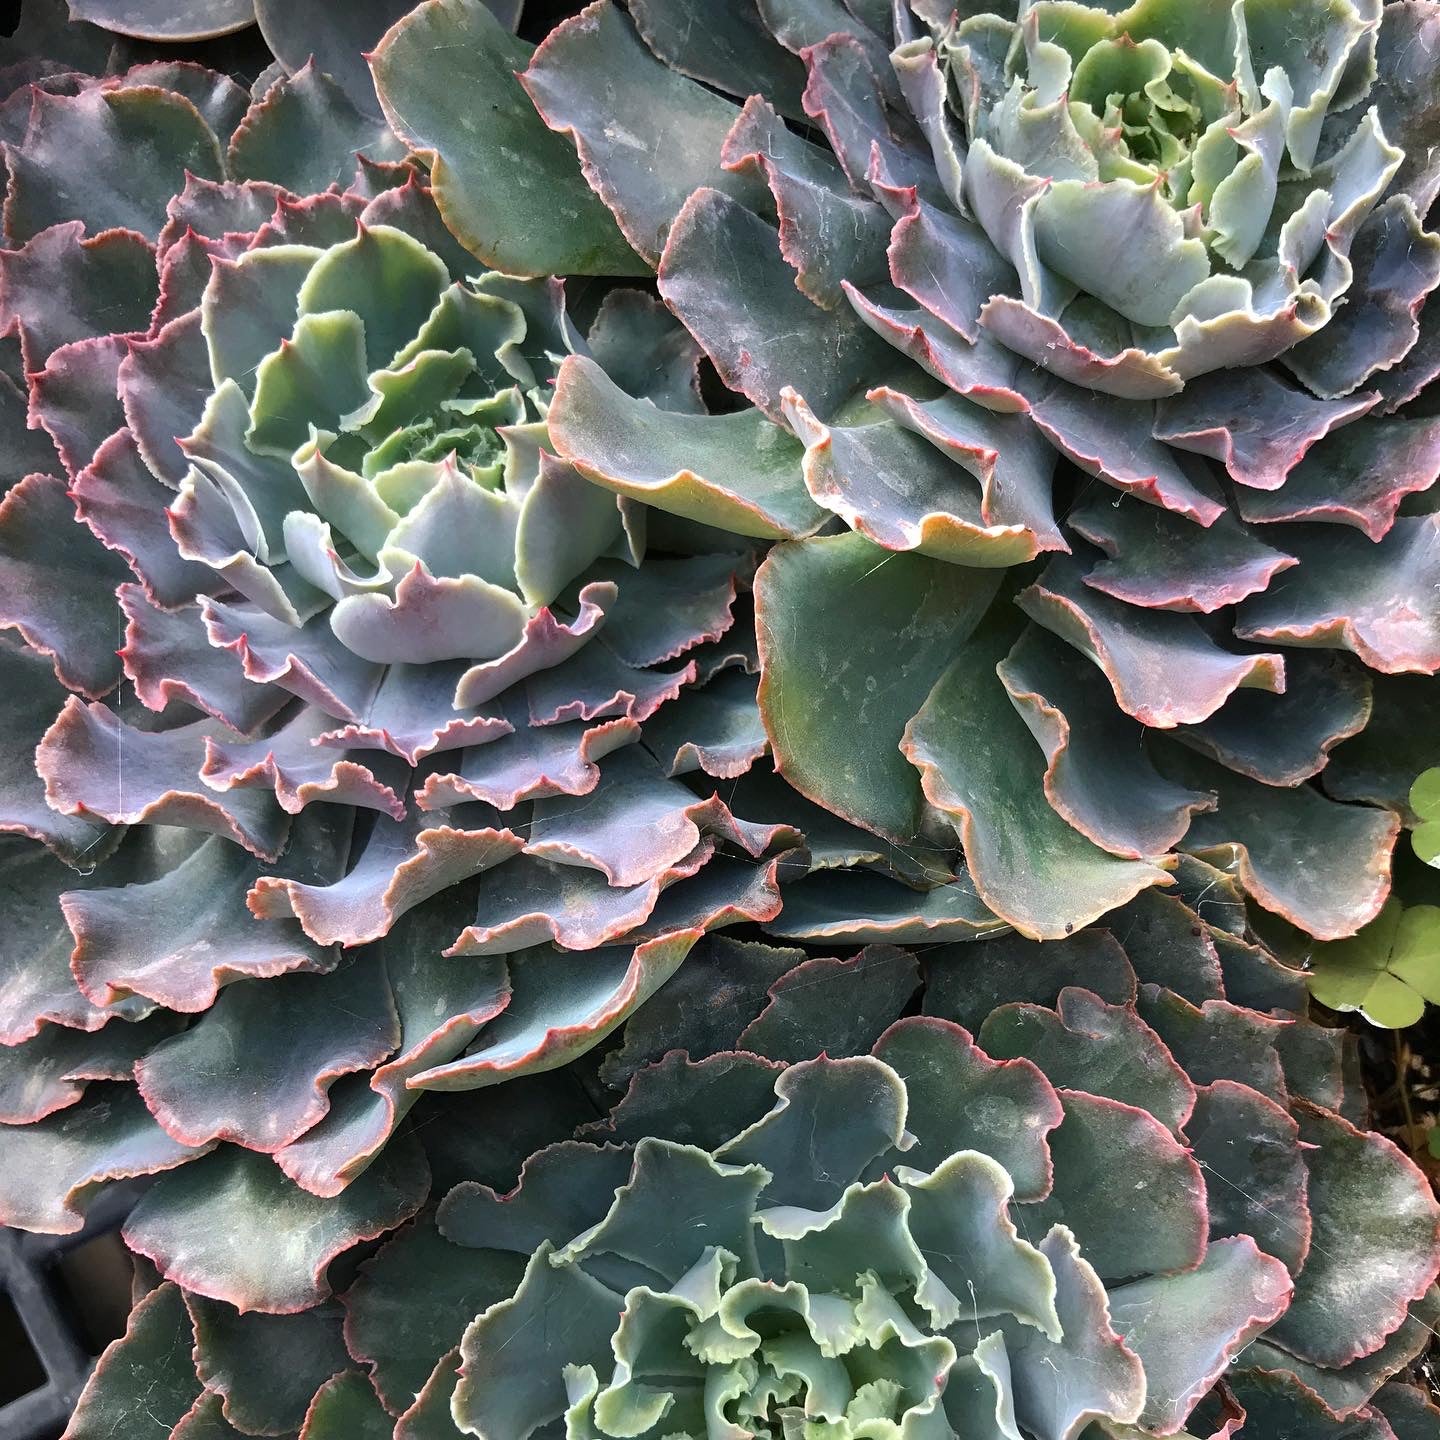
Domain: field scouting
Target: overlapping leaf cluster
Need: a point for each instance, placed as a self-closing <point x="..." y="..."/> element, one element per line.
<point x="1106" y="332"/>
<point x="388" y="714"/>
<point x="1063" y="1198"/>
<point x="315" y="649"/>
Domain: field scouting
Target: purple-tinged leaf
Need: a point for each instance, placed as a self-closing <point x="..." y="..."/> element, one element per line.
<point x="545" y="643"/>
<point x="165" y="20"/>
<point x="1087" y="1044"/>
<point x="539" y="218"/>
<point x="1254" y="977"/>
<point x="897" y="490"/>
<point x="1121" y="370"/>
<point x="727" y="891"/>
<point x="962" y="1099"/>
<point x="1376" y="1221"/>
<point x="637" y="822"/>
<point x="60" y="287"/>
<point x="1274" y="1403"/>
<point x="180" y="936"/>
<point x="835" y="844"/>
<point x="1323" y="866"/>
<point x="27" y="451"/>
<point x="779" y="337"/>
<point x="1350" y="1387"/>
<point x="429" y="620"/>
<point x="411" y="716"/>
<point x="1112" y="440"/>
<point x="1419" y="369"/>
<point x="1187" y="1328"/>
<point x="979" y="766"/>
<point x="1396" y="263"/>
<point x="828" y="1006"/>
<point x="1378" y="600"/>
<point x="531" y="901"/>
<point x="1356" y="477"/>
<point x="1162" y="561"/>
<point x="1060" y="1386"/>
<point x="640" y="345"/>
<point x="736" y="471"/>
<point x="1284" y="739"/>
<point x="532" y="762"/>
<point x="291" y="763"/>
<point x="339" y="39"/>
<point x="1399" y="742"/>
<point x="124" y="505"/>
<point x="1256" y="1181"/>
<point x="668" y="607"/>
<point x="595" y="683"/>
<point x="400" y="1326"/>
<point x="319" y="220"/>
<point x="714" y="728"/>
<point x="77" y="160"/>
<point x="95" y="764"/>
<point x="702" y="1103"/>
<point x="561" y="1006"/>
<point x="1405" y="98"/>
<point x="725" y="46"/>
<point x="1216" y="1040"/>
<point x="441" y="1007"/>
<point x="164" y="384"/>
<point x="184" y="273"/>
<point x="948" y="266"/>
<point x="50" y="1071"/>
<point x="983" y="372"/>
<point x="215" y="209"/>
<point x="1407" y="1409"/>
<point x="308" y="662"/>
<point x="74" y="398"/>
<point x="1097" y="776"/>
<point x="166" y="658"/>
<point x="895" y="619"/>
<point x="1012" y="461"/>
<point x="865" y="908"/>
<point x="722" y="987"/>
<point x="1168" y="944"/>
<point x="1164" y="668"/>
<point x="145" y="1382"/>
<point x="53" y="1169"/>
<point x="37" y="987"/>
<point x="1250" y="420"/>
<point x="1165" y="1220"/>
<point x="403" y="863"/>
<point x="1215" y="895"/>
<point x="256" y="1067"/>
<point x="850" y="91"/>
<point x="828" y="234"/>
<point x="411" y="207"/>
<point x="58" y="585"/>
<point x="261" y="1370"/>
<point x="593" y="81"/>
<point x="428" y="1416"/>
<point x="231" y="1227"/>
<point x="964" y="983"/>
<point x="311" y="104"/>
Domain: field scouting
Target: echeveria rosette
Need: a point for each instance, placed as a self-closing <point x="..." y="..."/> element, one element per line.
<point x="206" y="872"/>
<point x="1132" y="303"/>
<point x="1062" y="1195"/>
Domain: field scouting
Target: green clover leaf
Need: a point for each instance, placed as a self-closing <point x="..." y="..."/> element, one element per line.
<point x="1388" y="971"/>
